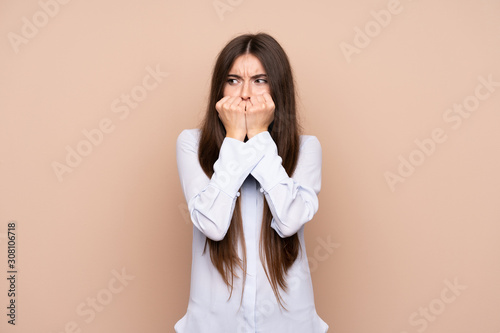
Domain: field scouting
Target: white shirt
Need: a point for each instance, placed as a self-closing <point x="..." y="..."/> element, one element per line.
<point x="253" y="170"/>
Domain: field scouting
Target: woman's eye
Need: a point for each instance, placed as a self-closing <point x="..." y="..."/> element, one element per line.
<point x="232" y="81"/>
<point x="261" y="81"/>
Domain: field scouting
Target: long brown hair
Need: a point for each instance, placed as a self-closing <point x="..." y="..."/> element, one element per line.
<point x="277" y="254"/>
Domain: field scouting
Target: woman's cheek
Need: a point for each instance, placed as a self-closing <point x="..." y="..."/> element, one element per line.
<point x="230" y="91"/>
<point x="262" y="90"/>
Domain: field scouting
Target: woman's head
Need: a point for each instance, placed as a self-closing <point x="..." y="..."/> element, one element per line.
<point x="249" y="65"/>
<point x="254" y="54"/>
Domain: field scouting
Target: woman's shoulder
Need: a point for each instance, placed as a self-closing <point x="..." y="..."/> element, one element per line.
<point x="309" y="141"/>
<point x="189" y="134"/>
<point x="188" y="138"/>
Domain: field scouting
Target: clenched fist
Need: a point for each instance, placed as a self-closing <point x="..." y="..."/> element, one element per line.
<point x="249" y="116"/>
<point x="232" y="114"/>
<point x="259" y="114"/>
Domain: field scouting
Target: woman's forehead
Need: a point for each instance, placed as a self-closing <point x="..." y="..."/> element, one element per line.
<point x="247" y="65"/>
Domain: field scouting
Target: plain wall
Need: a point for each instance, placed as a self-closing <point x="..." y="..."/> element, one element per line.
<point x="397" y="92"/>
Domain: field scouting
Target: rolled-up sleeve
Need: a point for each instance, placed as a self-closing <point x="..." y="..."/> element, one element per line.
<point x="293" y="201"/>
<point x="211" y="201"/>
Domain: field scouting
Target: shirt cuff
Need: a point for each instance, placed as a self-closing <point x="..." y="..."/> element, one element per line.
<point x="269" y="171"/>
<point x="236" y="160"/>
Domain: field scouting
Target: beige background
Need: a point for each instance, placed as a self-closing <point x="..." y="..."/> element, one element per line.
<point x="392" y="252"/>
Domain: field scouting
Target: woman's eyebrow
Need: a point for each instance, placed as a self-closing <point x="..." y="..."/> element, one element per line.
<point x="253" y="77"/>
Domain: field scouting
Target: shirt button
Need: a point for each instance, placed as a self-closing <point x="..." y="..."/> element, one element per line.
<point x="261" y="190"/>
<point x="237" y="194"/>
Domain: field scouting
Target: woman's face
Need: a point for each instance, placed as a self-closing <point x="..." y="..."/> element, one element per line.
<point x="246" y="78"/>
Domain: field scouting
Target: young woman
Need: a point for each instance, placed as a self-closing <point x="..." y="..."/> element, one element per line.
<point x="251" y="183"/>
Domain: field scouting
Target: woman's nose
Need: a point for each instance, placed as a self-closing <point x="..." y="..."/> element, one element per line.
<point x="246" y="91"/>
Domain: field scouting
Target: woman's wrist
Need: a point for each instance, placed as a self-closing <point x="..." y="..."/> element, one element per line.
<point x="236" y="135"/>
<point x="251" y="134"/>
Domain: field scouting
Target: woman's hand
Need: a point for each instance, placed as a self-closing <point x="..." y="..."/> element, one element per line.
<point x="259" y="114"/>
<point x="231" y="112"/>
